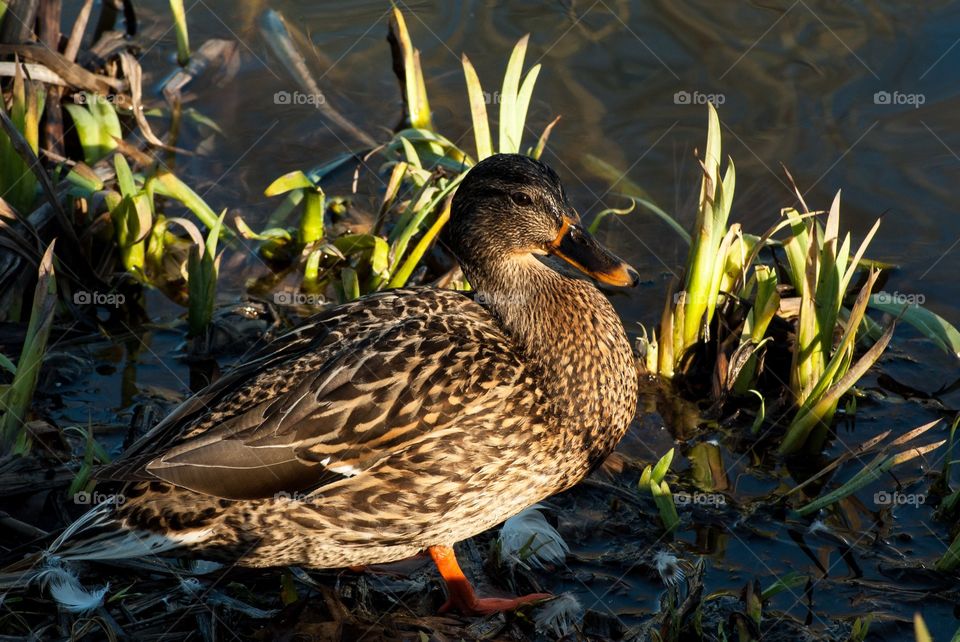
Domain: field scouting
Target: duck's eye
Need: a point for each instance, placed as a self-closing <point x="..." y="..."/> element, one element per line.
<point x="521" y="198"/>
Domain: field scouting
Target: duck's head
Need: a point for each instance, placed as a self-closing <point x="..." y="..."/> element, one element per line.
<point x="510" y="208"/>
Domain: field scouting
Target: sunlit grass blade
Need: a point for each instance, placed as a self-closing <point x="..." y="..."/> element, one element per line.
<point x="666" y="505"/>
<point x="402" y="275"/>
<point x="853" y="265"/>
<point x="932" y="325"/>
<point x="920" y="631"/>
<point x="314" y="203"/>
<point x="478" y="110"/>
<point x="97" y="125"/>
<point x="183" y="36"/>
<point x="415" y="93"/>
<point x="807" y="362"/>
<point x="428" y="202"/>
<point x="839" y="375"/>
<point x="797" y="247"/>
<point x="18" y="184"/>
<point x="705" y="238"/>
<point x="665" y="346"/>
<point x="652" y="481"/>
<point x="15" y="401"/>
<point x="765" y="305"/>
<point x="288" y="182"/>
<point x="172" y="187"/>
<point x="510" y="133"/>
<point x="761" y="413"/>
<point x="522" y="104"/>
<point x="877" y="467"/>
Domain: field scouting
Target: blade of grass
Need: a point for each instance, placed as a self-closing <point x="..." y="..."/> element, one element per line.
<point x="202" y="268"/>
<point x="817" y="413"/>
<point x="15" y="401"/>
<point x="400" y="277"/>
<point x="478" y="110"/>
<point x="932" y="325"/>
<point x="183" y="36"/>
<point x="415" y="92"/>
<point x="172" y="187"/>
<point x="509" y="138"/>
<point x="876" y="468"/>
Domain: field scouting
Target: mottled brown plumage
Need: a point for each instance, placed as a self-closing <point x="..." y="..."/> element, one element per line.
<point x="404" y="420"/>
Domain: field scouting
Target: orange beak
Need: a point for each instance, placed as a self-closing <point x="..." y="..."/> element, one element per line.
<point x="578" y="248"/>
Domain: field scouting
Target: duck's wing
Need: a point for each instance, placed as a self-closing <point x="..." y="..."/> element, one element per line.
<point x="344" y="405"/>
<point x="268" y="373"/>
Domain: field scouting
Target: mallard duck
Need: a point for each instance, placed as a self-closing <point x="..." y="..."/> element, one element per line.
<point x="404" y="421"/>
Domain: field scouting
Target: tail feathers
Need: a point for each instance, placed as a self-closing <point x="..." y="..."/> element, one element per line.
<point x="96" y="536"/>
<point x="99" y="536"/>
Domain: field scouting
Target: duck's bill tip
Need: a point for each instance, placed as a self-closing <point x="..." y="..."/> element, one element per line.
<point x="578" y="248"/>
<point x="622" y="276"/>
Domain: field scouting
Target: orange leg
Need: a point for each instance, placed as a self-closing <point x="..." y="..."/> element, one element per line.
<point x="460" y="594"/>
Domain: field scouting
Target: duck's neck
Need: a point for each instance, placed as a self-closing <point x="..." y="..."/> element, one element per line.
<point x="568" y="328"/>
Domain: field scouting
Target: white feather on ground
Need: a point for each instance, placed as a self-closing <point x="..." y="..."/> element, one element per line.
<point x="528" y="538"/>
<point x="559" y="615"/>
<point x="669" y="568"/>
<point x="65" y="588"/>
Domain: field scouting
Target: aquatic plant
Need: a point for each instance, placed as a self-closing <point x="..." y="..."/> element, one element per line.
<point x="180" y="27"/>
<point x="97" y="124"/>
<point x="18" y="184"/>
<point x="15" y="399"/>
<point x="425" y="169"/>
<point x="652" y="481"/>
<point x="730" y="299"/>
